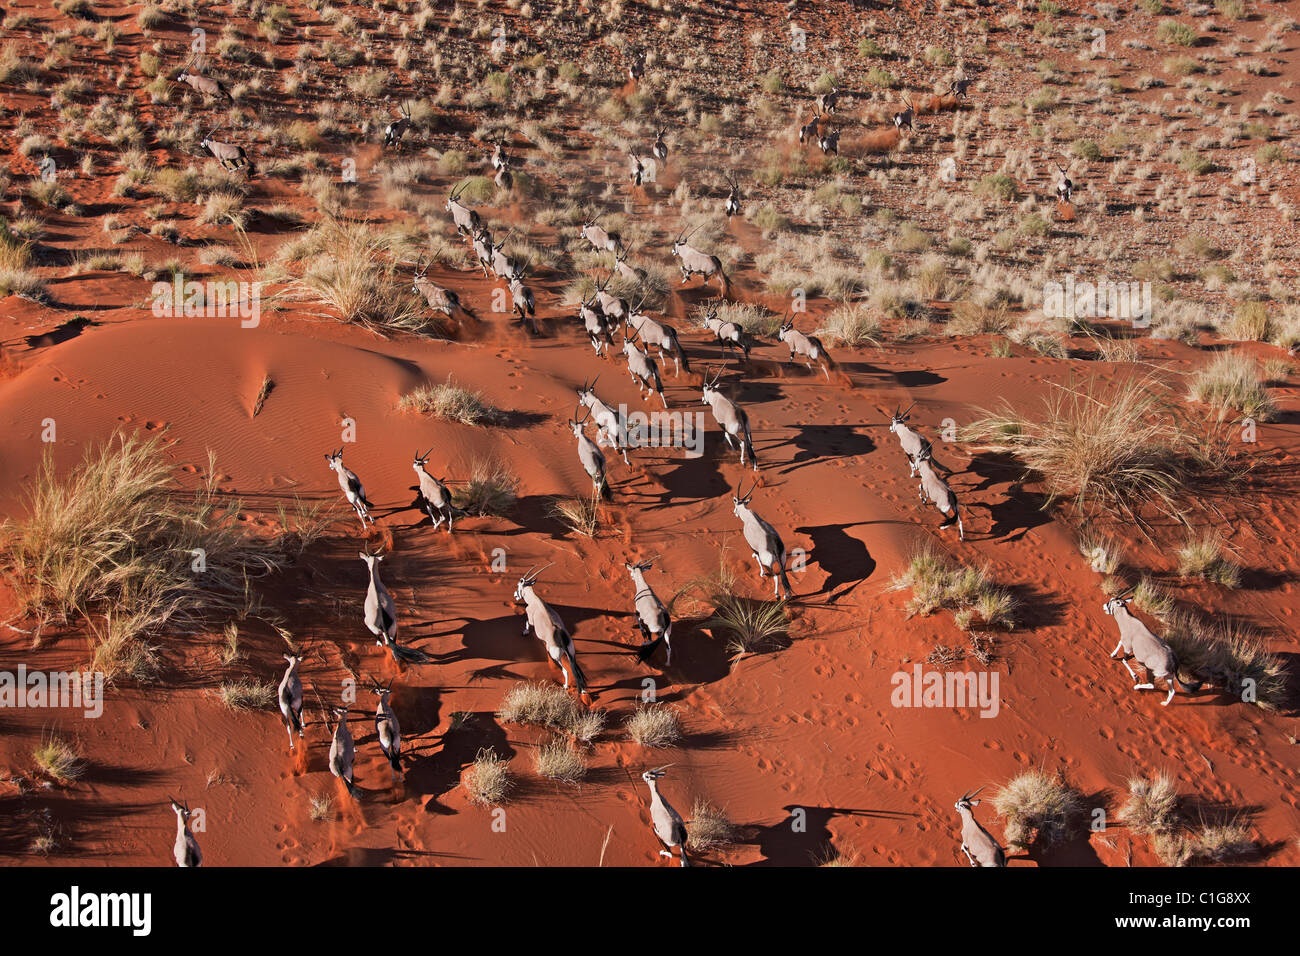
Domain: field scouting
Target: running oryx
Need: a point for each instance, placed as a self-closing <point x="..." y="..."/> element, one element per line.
<point x="541" y="619"/>
<point x="808" y="131"/>
<point x="764" y="543"/>
<point x="1064" y="187"/>
<point x="667" y="822"/>
<point x="976" y="842"/>
<point x="694" y="262"/>
<point x="959" y="86"/>
<point x="390" y="733"/>
<point x="1138" y="642"/>
<point x="829" y="142"/>
<point x="290" y="697"/>
<point x="805" y="346"/>
<point x="504" y="266"/>
<point x="914" y="444"/>
<point x="200" y="83"/>
<point x="642" y="368"/>
<point x="611" y="430"/>
<point x="636" y="66"/>
<point x="481" y="241"/>
<point x="440" y="299"/>
<point x="732" y="205"/>
<point x="906" y="116"/>
<point x="625" y="271"/>
<point x="466" y="219"/>
<point x="728" y="333"/>
<point x="399" y="127"/>
<point x="597" y="326"/>
<point x="651" y="616"/>
<point x="599" y="238"/>
<point x="434" y="494"/>
<point x="503" y="179"/>
<point x="635" y="169"/>
<point x="521" y="298"/>
<point x="228" y="155"/>
<point x="660" y="148"/>
<point x="353" y="490"/>
<point x="662" y="336"/>
<point x="592" y="458"/>
<point x="614" y="308"/>
<point x="732" y="418"/>
<point x="827" y="101"/>
<point x="186" y="849"/>
<point x="379" y="614"/>
<point x="499" y="157"/>
<point x="935" y="490"/>
<point x="342" y="751"/>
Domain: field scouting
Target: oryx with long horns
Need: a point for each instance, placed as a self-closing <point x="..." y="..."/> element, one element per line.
<point x="764" y="543"/>
<point x="591" y="457"/>
<point x="467" y="220"/>
<point x="651" y="615"/>
<point x="733" y="419"/>
<point x="693" y="262"/>
<point x="353" y="490"/>
<point x="1139" y="642"/>
<point x="976" y="842"/>
<point x="611" y="428"/>
<point x="545" y="623"/>
<point x="435" y="496"/>
<point x="643" y="369"/>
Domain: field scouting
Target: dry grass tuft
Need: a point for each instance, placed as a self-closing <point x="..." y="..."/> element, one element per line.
<point x="1232" y="382"/>
<point x="57" y="759"/>
<point x="1152" y="806"/>
<point x="492" y="489"/>
<point x="1038" y="808"/>
<point x="1203" y="557"/>
<point x="709" y="827"/>
<point x="487" y="781"/>
<point x="655" y="725"/>
<point x="449" y="401"/>
<point x="558" y="760"/>
<point x="938" y="582"/>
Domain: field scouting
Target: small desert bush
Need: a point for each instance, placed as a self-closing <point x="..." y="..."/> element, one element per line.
<point x="448" y="400"/>
<point x="321" y="807"/>
<point x="1250" y="322"/>
<point x="749" y="624"/>
<point x="580" y="515"/>
<point x="57" y="759"/>
<point x="1176" y="34"/>
<point x="1039" y="808"/>
<point x="1203" y="557"/>
<point x="1218" y="843"/>
<point x="547" y="705"/>
<point x="971" y="318"/>
<point x="1232" y="383"/>
<point x="558" y="760"/>
<point x="852" y="326"/>
<point x="996" y="186"/>
<point x="709" y="827"/>
<point x="1230" y="656"/>
<point x="937" y="582"/>
<point x="487" y="781"/>
<point x="655" y="725"/>
<point x="354" y="277"/>
<point x="1152" y="806"/>
<point x="492" y="489"/>
<point x="246" y="694"/>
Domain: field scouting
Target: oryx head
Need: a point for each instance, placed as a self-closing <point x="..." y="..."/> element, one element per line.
<point x="740" y="503"/>
<point x="787" y="325"/>
<point x="293" y="659"/>
<point x="372" y="560"/>
<point x="587" y="394"/>
<point x="183" y="810"/>
<point x="650" y="776"/>
<point x="634" y="569"/>
<point x="680" y="242"/>
<point x="453" y="197"/>
<point x="382" y="691"/>
<point x="419" y="462"/>
<point x="420" y="270"/>
<point x="528" y="580"/>
<point x="1121" y="600"/>
<point x="710" y="385"/>
<point x="335" y="459"/>
<point x="577" y="423"/>
<point x="898" y="420"/>
<point x="967" y="801"/>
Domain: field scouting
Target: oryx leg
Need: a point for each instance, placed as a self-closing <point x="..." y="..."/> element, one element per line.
<point x="1170" y="681"/>
<point x="968" y="855"/>
<point x="762" y="571"/>
<point x="1117" y="649"/>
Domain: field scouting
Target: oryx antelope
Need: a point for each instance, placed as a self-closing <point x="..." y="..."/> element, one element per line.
<point x="636" y="66"/>
<point x="827" y="102"/>
<point x="611" y="429"/>
<point x="905" y="117"/>
<point x="667" y="822"/>
<point x="592" y="458"/>
<point x="541" y="619"/>
<point x="499" y="157"/>
<point x="202" y="84"/>
<point x="630" y="273"/>
<point x="694" y="262"/>
<point x="728" y="333"/>
<point x="521" y="299"/>
<point x="353" y="490"/>
<point x="504" y="266"/>
<point x="600" y="239"/>
<point x="379" y="613"/>
<point x="1064" y="187"/>
<point x="733" y="420"/>
<point x="290" y="697"/>
<point x="614" y="308"/>
<point x="808" y="131"/>
<point x="806" y="346"/>
<point x="829" y="142"/>
<point x="732" y="206"/>
<point x="651" y="615"/>
<point x="913" y="443"/>
<point x="976" y="842"/>
<point x="434" y="494"/>
<point x="386" y="726"/>
<point x="186" y="849"/>
<point x="503" y="179"/>
<point x="642" y="368"/>
<point x="228" y="155"/>
<point x="399" y="127"/>
<point x="660" y="148"/>
<point x="635" y="169"/>
<point x="343" y="751"/>
<point x="936" y="491"/>
<point x="466" y="219"/>
<point x="660" y="336"/>
<point x="764" y="543"/>
<point x="597" y="326"/>
<point x="959" y="86"/>
<point x="438" y="298"/>
<point x="1137" y="641"/>
<point x="481" y="241"/>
